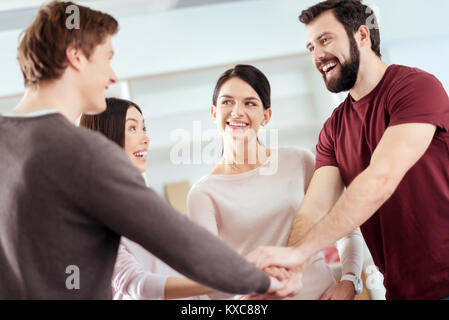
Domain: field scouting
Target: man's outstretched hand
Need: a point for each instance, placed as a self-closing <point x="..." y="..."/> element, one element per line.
<point x="287" y="257"/>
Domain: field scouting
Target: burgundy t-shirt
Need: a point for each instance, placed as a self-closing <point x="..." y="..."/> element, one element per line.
<point x="408" y="236"/>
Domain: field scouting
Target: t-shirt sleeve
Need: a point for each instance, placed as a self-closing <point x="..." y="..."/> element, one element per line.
<point x="419" y="98"/>
<point x="325" y="149"/>
<point x="117" y="197"/>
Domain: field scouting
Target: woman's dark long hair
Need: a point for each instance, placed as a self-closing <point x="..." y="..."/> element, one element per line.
<point x="112" y="121"/>
<point x="252" y="76"/>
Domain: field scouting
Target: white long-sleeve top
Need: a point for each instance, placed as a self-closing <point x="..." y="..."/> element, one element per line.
<point x="257" y="208"/>
<point x="139" y="275"/>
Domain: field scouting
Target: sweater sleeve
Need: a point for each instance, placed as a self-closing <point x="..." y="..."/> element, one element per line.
<point x="200" y="209"/>
<point x="117" y="197"/>
<point x="350" y="249"/>
<point x="131" y="279"/>
<point x="308" y="162"/>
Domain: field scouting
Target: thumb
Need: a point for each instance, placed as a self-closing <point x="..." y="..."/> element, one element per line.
<point x="275" y="285"/>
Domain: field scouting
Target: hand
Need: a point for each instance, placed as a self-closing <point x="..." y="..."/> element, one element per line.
<point x="291" y="286"/>
<point x="278" y="272"/>
<point x="278" y="278"/>
<point x="275" y="285"/>
<point x="341" y="291"/>
<point x="287" y="257"/>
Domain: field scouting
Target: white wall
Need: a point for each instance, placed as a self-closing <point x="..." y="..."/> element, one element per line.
<point x="427" y="53"/>
<point x="231" y="32"/>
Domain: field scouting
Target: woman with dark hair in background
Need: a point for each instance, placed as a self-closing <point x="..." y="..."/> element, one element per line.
<point x="137" y="274"/>
<point x="253" y="194"/>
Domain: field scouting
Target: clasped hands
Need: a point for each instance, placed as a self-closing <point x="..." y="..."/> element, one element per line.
<point x="285" y="266"/>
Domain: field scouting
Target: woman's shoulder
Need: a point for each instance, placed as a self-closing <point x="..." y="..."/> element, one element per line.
<point x="294" y="161"/>
<point x="295" y="155"/>
<point x="200" y="185"/>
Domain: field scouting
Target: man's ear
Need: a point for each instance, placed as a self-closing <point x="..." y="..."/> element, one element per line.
<point x="213" y="112"/>
<point x="363" y="36"/>
<point x="74" y="57"/>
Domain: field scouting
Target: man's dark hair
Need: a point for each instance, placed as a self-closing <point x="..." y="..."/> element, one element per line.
<point x="351" y="14"/>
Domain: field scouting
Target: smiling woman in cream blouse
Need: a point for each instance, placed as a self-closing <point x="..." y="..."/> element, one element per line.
<point x="247" y="203"/>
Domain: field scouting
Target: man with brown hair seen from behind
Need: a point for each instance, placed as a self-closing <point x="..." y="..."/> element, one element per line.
<point x="67" y="194"/>
<point x="388" y="144"/>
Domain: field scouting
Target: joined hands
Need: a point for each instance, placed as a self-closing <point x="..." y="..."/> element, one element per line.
<point x="285" y="266"/>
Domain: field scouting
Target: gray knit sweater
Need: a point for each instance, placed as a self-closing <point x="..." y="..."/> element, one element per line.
<point x="66" y="196"/>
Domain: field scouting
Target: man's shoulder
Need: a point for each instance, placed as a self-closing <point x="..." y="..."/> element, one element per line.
<point x="407" y="75"/>
<point x="411" y="82"/>
<point x="55" y="135"/>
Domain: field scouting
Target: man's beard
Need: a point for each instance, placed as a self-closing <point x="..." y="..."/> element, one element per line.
<point x="348" y="73"/>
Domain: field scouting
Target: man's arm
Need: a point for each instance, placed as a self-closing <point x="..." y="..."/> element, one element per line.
<point x="116" y="197"/>
<point x="397" y="152"/>
<point x="324" y="190"/>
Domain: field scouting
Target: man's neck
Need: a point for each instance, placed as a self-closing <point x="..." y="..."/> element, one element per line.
<point x="370" y="74"/>
<point x="50" y="96"/>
